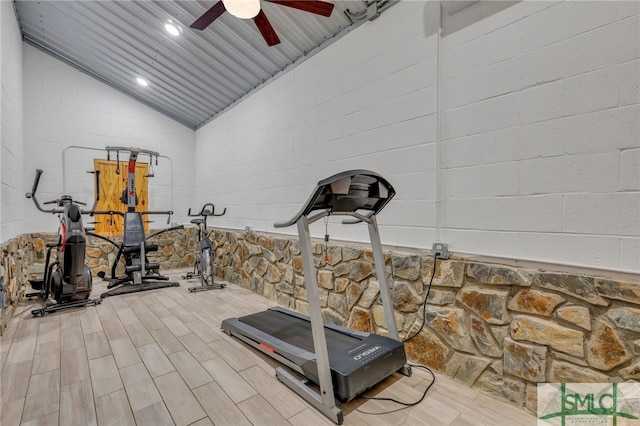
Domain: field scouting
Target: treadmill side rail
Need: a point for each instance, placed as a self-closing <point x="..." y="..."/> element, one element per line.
<point x="300" y="387"/>
<point x="315" y="314"/>
<point x="385" y="291"/>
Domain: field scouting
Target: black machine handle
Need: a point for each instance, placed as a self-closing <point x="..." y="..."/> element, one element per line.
<point x="205" y="211"/>
<point x="36" y="181"/>
<point x="220" y="214"/>
<point x="92" y="210"/>
<point x="108" y="212"/>
<point x="59" y="202"/>
<point x="119" y="213"/>
<point x="32" y="194"/>
<point x="169" y="212"/>
<point x="155" y="234"/>
<point x="162" y="231"/>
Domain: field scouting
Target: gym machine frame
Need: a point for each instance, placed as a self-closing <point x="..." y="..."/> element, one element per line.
<point x="139" y="272"/>
<point x="67" y="278"/>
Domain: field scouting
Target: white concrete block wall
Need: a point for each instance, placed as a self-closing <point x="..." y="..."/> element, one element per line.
<point x="11" y="125"/>
<point x="540" y="143"/>
<point x="366" y="102"/>
<point x="65" y="108"/>
<point x="547" y="104"/>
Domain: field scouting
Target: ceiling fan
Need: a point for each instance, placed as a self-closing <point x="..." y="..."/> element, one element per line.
<point x="246" y="9"/>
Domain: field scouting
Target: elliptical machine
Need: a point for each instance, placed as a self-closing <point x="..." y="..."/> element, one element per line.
<point x="204" y="267"/>
<point x="67" y="281"/>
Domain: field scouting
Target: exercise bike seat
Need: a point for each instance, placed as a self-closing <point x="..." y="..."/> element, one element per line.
<point x="197" y="221"/>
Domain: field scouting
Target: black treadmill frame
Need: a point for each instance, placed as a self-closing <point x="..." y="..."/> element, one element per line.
<point x="285" y="335"/>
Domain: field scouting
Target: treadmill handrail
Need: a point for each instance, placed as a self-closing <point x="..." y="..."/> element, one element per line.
<point x="332" y="188"/>
<point x="357" y="218"/>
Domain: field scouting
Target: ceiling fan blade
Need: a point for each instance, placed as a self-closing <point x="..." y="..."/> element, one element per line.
<point x="266" y="29"/>
<point x="209" y="16"/>
<point x="314" y="6"/>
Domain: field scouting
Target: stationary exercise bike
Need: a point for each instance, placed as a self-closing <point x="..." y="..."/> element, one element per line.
<point x="204" y="267"/>
<point x="67" y="281"/>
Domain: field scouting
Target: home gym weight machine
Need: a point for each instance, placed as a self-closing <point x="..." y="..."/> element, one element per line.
<point x="204" y="267"/>
<point x="140" y="274"/>
<point x="67" y="281"/>
<point x="343" y="362"/>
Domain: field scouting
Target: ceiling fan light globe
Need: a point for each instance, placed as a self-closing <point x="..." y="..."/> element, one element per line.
<point x="243" y="9"/>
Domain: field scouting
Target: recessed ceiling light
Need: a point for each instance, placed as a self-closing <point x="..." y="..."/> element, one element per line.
<point x="172" y="28"/>
<point x="142" y="82"/>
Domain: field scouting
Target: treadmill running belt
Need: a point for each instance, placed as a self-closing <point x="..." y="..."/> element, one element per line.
<point x="296" y="331"/>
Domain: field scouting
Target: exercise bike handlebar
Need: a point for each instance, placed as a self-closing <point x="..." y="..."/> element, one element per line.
<point x="206" y="212"/>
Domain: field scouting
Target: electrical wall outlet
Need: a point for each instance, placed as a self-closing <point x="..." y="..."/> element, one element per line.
<point x="440" y="250"/>
<point x="248" y="229"/>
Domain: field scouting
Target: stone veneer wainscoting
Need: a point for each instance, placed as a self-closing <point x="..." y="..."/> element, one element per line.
<point x="496" y="328"/>
<point x="14" y="265"/>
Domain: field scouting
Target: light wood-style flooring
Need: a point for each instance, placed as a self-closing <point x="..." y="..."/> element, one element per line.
<point x="159" y="358"/>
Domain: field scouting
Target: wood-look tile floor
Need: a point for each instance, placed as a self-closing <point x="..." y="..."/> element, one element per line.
<point x="159" y="358"/>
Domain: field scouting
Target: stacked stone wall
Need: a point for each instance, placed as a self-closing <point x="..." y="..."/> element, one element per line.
<point x="496" y="328"/>
<point x="175" y="250"/>
<point x="13" y="276"/>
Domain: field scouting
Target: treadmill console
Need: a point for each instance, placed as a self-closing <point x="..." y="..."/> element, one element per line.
<point x="353" y="191"/>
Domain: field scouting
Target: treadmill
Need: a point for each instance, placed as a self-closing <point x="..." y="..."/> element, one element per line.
<point x="341" y="361"/>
